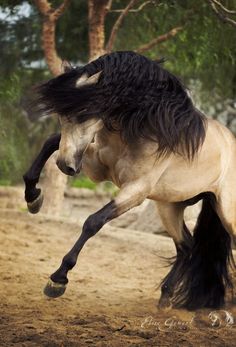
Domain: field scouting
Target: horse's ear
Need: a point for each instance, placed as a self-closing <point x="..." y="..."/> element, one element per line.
<point x="66" y="66"/>
<point x="84" y="80"/>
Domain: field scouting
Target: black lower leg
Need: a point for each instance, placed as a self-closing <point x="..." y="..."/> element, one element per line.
<point x="31" y="177"/>
<point x="91" y="226"/>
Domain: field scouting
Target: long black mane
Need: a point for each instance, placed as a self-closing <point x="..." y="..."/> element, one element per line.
<point x="135" y="96"/>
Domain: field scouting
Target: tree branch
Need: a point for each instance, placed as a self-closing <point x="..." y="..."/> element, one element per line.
<point x="162" y="38"/>
<point x="44" y="6"/>
<point x="135" y="9"/>
<point x="108" y="8"/>
<point x="61" y="9"/>
<point x="226" y="10"/>
<point x="46" y="9"/>
<point x="117" y="25"/>
<point x="220" y="15"/>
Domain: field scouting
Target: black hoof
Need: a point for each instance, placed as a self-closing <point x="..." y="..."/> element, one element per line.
<point x="34" y="206"/>
<point x="54" y="290"/>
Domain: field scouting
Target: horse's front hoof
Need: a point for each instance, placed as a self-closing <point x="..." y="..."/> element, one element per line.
<point x="34" y="206"/>
<point x="54" y="290"/>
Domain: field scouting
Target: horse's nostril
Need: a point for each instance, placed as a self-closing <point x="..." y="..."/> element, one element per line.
<point x="66" y="169"/>
<point x="70" y="171"/>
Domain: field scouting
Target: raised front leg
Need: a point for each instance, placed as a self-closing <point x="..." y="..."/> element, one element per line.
<point x="130" y="196"/>
<point x="33" y="195"/>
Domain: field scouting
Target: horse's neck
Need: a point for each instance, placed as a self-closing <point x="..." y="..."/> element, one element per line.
<point x="105" y="138"/>
<point x="112" y="142"/>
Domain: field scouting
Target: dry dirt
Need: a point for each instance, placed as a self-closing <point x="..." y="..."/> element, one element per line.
<point x="111" y="297"/>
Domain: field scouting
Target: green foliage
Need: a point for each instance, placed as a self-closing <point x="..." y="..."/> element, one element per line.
<point x="20" y="139"/>
<point x="72" y="33"/>
<point x="83" y="182"/>
<point x="13" y="131"/>
<point x="204" y="50"/>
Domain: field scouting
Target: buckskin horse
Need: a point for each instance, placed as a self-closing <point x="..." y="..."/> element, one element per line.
<point x="126" y="119"/>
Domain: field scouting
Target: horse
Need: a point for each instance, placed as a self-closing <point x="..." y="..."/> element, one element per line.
<point x="126" y="119"/>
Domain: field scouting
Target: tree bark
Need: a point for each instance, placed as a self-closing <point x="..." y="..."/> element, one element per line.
<point x="54" y="185"/>
<point x="48" y="42"/>
<point x="97" y="11"/>
<point x="50" y="18"/>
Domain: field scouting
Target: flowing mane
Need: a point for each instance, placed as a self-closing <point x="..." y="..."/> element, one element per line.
<point x="135" y="96"/>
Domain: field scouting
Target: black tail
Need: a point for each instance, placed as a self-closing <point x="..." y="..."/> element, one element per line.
<point x="206" y="274"/>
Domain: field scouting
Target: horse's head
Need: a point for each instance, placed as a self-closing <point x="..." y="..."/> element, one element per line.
<point x="76" y="136"/>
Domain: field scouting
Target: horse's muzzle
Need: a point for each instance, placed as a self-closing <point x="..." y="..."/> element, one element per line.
<point x="69" y="170"/>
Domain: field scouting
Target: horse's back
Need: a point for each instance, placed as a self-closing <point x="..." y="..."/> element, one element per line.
<point x="184" y="179"/>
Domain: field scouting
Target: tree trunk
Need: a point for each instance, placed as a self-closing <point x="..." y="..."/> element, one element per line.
<point x="97" y="12"/>
<point x="54" y="182"/>
<point x="48" y="42"/>
<point x="54" y="185"/>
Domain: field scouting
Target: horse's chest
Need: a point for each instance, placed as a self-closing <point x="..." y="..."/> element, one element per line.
<point x="116" y="164"/>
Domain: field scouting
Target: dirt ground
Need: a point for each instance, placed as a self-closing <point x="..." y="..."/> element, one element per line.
<point x="111" y="297"/>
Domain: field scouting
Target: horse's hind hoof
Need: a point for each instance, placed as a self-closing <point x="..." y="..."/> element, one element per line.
<point x="54" y="290"/>
<point x="34" y="206"/>
<point x="164" y="303"/>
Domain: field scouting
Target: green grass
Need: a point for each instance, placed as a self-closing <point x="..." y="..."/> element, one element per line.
<point x="83" y="182"/>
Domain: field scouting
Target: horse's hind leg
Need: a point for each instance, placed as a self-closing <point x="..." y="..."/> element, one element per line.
<point x="33" y="195"/>
<point x="205" y="276"/>
<point x="172" y="217"/>
<point x="226" y="209"/>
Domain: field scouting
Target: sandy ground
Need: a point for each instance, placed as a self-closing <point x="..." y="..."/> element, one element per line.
<point x="111" y="297"/>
